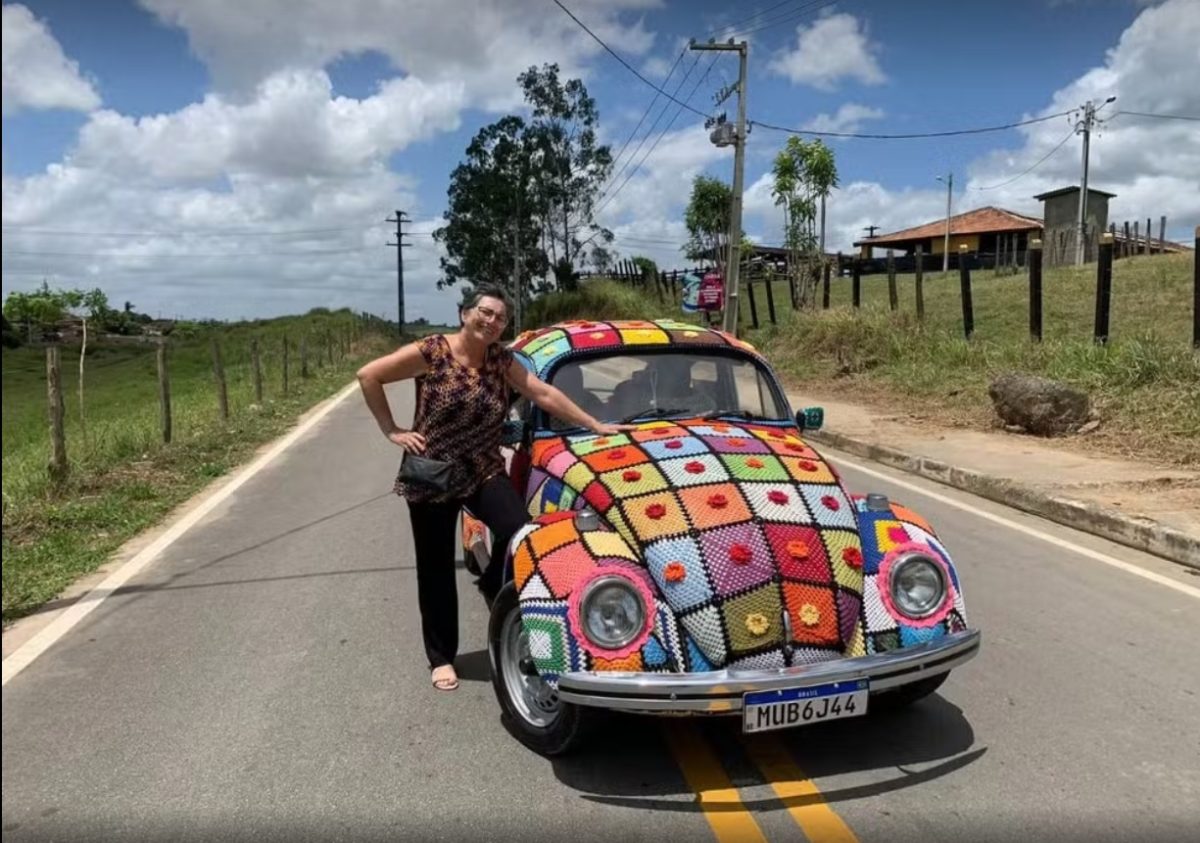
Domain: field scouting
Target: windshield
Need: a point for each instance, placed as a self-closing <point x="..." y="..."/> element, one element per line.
<point x="630" y="386"/>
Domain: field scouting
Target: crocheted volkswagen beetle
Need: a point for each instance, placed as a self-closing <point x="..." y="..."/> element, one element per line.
<point x="709" y="561"/>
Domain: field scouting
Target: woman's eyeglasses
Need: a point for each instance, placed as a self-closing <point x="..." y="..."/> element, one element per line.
<point x="491" y="315"/>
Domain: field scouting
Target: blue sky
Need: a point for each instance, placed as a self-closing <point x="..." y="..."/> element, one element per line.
<point x="227" y="139"/>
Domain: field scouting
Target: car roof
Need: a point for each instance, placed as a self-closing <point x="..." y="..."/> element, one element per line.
<point x="542" y="349"/>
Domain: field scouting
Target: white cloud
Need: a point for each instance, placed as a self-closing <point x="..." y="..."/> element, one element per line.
<point x="36" y="73"/>
<point x="834" y="48"/>
<point x="1152" y="165"/>
<point x="848" y="118"/>
<point x="483" y="47"/>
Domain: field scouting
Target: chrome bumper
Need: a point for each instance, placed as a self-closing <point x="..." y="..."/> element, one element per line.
<point x="720" y="691"/>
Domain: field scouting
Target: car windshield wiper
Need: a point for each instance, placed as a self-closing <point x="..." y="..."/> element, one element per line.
<point x="654" y="413"/>
<point x="737" y="414"/>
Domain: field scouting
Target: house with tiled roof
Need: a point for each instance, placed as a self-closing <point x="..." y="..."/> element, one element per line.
<point x="983" y="230"/>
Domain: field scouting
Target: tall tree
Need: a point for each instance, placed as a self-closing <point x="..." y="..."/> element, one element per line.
<point x="569" y="167"/>
<point x="707" y="221"/>
<point x="803" y="172"/>
<point x="537" y="179"/>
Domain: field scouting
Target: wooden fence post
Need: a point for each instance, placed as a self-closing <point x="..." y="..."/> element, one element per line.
<point x="164" y="392"/>
<point x="1125" y="246"/>
<point x="1136" y="239"/>
<point x="770" y="285"/>
<point x="825" y="283"/>
<point x="1162" y="234"/>
<point x="893" y="295"/>
<point x="256" y="364"/>
<point x="219" y="377"/>
<point x="753" y="304"/>
<point x="1103" y="288"/>
<point x="964" y="278"/>
<point x="856" y="282"/>
<point x="285" y="364"/>
<point x="304" y="356"/>
<point x="1196" y="292"/>
<point x="1149" y="234"/>
<point x="1035" y="290"/>
<point x="920" y="283"/>
<point x="57" y="466"/>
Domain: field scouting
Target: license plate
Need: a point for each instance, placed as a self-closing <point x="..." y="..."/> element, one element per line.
<point x="763" y="711"/>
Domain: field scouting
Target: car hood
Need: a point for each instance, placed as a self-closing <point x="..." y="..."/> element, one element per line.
<point x="746" y="532"/>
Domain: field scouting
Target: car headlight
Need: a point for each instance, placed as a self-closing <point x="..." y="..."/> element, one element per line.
<point x="613" y="612"/>
<point x="917" y="584"/>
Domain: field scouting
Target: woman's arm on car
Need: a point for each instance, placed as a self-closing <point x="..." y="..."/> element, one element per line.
<point x="555" y="402"/>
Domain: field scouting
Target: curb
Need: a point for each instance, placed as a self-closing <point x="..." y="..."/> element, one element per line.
<point x="1140" y="533"/>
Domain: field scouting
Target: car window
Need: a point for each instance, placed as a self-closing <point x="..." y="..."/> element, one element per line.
<point x="621" y="385"/>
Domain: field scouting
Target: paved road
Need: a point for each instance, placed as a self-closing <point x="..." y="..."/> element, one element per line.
<point x="263" y="680"/>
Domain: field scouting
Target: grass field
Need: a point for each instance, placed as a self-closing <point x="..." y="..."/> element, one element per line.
<point x="1145" y="383"/>
<point x="122" y="478"/>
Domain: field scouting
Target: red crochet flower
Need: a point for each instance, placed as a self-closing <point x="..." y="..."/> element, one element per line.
<point x="674" y="444"/>
<point x="616" y="454"/>
<point x="631" y="476"/>
<point x="794" y="446"/>
<point x="661" y="431"/>
<point x="718" y="501"/>
<point x="674" y="572"/>
<point x="775" y="496"/>
<point x="797" y="549"/>
<point x="694" y="467"/>
<point x="777" y="434"/>
<point x="737" y="443"/>
<point x="853" y="557"/>
<point x="830" y="502"/>
<point x="754" y="462"/>
<point x="805" y="465"/>
<point x="656" y="511"/>
<point x="740" y="554"/>
<point x="601" y="442"/>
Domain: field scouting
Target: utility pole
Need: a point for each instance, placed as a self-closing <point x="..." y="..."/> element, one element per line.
<point x="822" y="226"/>
<point x="721" y="137"/>
<point x="949" y="180"/>
<point x="516" y="276"/>
<point x="1085" y="126"/>
<point x="399" y="244"/>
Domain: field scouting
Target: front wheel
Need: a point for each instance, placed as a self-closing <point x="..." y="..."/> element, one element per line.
<point x="531" y="708"/>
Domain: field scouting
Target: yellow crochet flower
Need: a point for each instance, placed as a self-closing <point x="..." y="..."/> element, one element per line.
<point x="757" y="623"/>
<point x="810" y="615"/>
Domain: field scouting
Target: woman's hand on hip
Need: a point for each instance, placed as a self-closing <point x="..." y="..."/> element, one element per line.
<point x="409" y="440"/>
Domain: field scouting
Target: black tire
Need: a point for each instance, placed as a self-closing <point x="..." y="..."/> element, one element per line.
<point x="567" y="728"/>
<point x="906" y="695"/>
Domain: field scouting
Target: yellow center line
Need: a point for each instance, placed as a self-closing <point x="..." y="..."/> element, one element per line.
<point x="718" y="798"/>
<point x="803" y="800"/>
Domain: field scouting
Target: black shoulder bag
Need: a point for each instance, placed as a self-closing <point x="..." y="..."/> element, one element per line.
<point x="424" y="471"/>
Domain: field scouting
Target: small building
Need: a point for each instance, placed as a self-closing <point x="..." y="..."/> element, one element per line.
<point x="984" y="231"/>
<point x="1060" y="216"/>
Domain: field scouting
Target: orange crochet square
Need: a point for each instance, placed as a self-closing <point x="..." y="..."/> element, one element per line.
<point x="546" y="449"/>
<point x="618" y="457"/>
<point x="653" y="433"/>
<point x="522" y="565"/>
<point x="806" y="470"/>
<point x="545" y="540"/>
<point x="906" y="514"/>
<point x="631" y="662"/>
<point x="653" y="516"/>
<point x="714" y="506"/>
<point x="813" y="613"/>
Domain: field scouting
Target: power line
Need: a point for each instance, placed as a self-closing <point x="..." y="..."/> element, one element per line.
<point x="1041" y="160"/>
<point x="789" y="17"/>
<point x="729" y="27"/>
<point x="174" y="234"/>
<point x="1160" y="116"/>
<point x="174" y="255"/>
<point x="646" y="113"/>
<point x="627" y="65"/>
<point x="913" y="135"/>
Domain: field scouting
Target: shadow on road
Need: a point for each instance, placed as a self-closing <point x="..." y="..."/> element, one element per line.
<point x="628" y="762"/>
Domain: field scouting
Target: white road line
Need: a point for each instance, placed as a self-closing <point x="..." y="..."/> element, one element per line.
<point x="1182" y="588"/>
<point x="24" y="655"/>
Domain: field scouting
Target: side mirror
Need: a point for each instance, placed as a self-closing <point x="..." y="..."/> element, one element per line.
<point x="513" y="433"/>
<point x="810" y="418"/>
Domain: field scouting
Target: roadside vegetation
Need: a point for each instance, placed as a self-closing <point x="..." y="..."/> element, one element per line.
<point x="1145" y="383"/>
<point x="122" y="478"/>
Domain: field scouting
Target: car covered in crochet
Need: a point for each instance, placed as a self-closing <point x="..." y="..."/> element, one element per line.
<point x="709" y="561"/>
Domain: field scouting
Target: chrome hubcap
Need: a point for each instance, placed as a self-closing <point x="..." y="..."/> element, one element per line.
<point x="532" y="698"/>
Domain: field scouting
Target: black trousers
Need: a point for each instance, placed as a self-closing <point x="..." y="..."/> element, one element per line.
<point x="497" y="504"/>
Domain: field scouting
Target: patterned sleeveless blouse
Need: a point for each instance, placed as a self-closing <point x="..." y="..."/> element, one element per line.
<point x="460" y="412"/>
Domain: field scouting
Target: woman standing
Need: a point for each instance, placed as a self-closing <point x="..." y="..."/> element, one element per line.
<point x="463" y="381"/>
